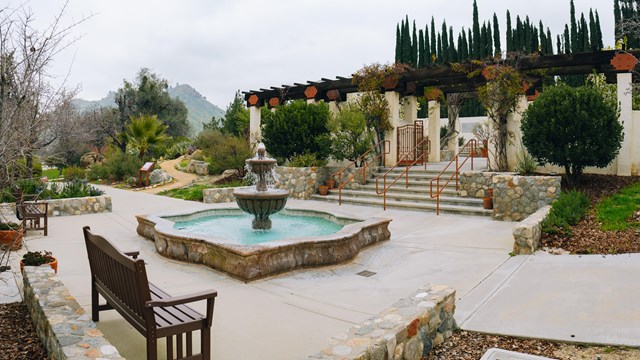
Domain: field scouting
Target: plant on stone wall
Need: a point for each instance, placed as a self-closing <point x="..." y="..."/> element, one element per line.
<point x="499" y="97"/>
<point x="572" y="128"/>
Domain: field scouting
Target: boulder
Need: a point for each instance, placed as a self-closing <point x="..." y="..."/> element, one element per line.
<point x="227" y="176"/>
<point x="202" y="168"/>
<point x="158" y="176"/>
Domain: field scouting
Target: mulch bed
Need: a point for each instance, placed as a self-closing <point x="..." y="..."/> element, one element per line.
<point x="587" y="237"/>
<point x="18" y="339"/>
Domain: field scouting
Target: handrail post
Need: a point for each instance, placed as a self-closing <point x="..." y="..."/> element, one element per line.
<point x="438" y="196"/>
<point x="384" y="196"/>
<point x="458" y="171"/>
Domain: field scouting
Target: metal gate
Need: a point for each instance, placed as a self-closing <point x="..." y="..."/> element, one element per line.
<point x="408" y="137"/>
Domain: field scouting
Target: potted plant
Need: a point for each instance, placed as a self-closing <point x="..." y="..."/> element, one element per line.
<point x="323" y="190"/>
<point x="482" y="133"/>
<point x="488" y="199"/>
<point x="330" y="183"/>
<point x="37" y="258"/>
<point x="10" y="235"/>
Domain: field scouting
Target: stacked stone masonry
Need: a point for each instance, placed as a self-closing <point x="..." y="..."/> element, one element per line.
<point x="65" y="207"/>
<point x="515" y="197"/>
<point x="302" y="182"/>
<point x="406" y="331"/>
<point x="65" y="330"/>
<point x="527" y="233"/>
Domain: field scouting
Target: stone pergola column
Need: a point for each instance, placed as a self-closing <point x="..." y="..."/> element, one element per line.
<point x="514" y="121"/>
<point x="434" y="130"/>
<point x="410" y="109"/>
<point x="626" y="118"/>
<point x="393" y="99"/>
<point x="334" y="96"/>
<point x="255" y="131"/>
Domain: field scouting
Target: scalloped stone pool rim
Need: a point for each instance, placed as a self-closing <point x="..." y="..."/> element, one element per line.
<point x="252" y="262"/>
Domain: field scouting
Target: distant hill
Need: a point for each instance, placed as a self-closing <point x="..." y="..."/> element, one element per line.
<point x="200" y="109"/>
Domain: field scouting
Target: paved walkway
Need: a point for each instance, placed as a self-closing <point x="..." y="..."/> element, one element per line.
<point x="593" y="298"/>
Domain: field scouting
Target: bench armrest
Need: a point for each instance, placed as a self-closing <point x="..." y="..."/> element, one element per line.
<point x="179" y="300"/>
<point x="133" y="254"/>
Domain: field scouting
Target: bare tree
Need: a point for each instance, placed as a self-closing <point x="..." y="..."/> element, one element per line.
<point x="28" y="99"/>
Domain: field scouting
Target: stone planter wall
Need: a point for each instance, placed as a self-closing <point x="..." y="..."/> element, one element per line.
<point x="527" y="233"/>
<point x="325" y="173"/>
<point x="515" y="197"/>
<point x="300" y="181"/>
<point x="66" y="331"/>
<point x="79" y="206"/>
<point x="218" y="195"/>
<point x="65" y="207"/>
<point x="406" y="331"/>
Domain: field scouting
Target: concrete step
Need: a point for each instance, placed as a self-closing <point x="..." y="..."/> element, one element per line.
<point x="413" y="182"/>
<point x="422" y="189"/>
<point x="407" y="205"/>
<point x="417" y="198"/>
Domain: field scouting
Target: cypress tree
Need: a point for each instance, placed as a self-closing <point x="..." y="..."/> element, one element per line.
<point x="617" y="16"/>
<point x="535" y="44"/>
<point x="398" y="42"/>
<point x="483" y="41"/>
<point x="543" y="39"/>
<point x="470" y="44"/>
<point x="427" y="51"/>
<point x="599" y="32"/>
<point x="526" y="40"/>
<point x="414" y="47"/>
<point x="445" y="43"/>
<point x="509" y="33"/>
<point x="406" y="43"/>
<point x="421" y="54"/>
<point x="463" y="48"/>
<point x="489" y="40"/>
<point x="574" y="29"/>
<point x="496" y="35"/>
<point x="586" y="46"/>
<point x="517" y="35"/>
<point x="550" y="43"/>
<point x="453" y="53"/>
<point x="567" y="40"/>
<point x="592" y="31"/>
<point x="434" y="53"/>
<point x="476" y="33"/>
<point x="559" y="45"/>
<point x="439" y="56"/>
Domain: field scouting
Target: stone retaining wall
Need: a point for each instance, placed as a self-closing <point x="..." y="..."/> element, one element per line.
<point x="65" y="207"/>
<point x="515" y="197"/>
<point x="406" y="331"/>
<point x="527" y="233"/>
<point x="65" y="330"/>
<point x="218" y="195"/>
<point x="300" y="181"/>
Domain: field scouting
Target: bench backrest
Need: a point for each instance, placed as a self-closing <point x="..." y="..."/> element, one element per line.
<point x="121" y="280"/>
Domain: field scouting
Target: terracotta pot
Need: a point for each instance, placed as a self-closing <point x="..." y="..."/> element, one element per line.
<point x="11" y="238"/>
<point x="330" y="183"/>
<point x="53" y="264"/>
<point x="488" y="203"/>
<point x="485" y="152"/>
<point x="490" y="191"/>
<point x="323" y="190"/>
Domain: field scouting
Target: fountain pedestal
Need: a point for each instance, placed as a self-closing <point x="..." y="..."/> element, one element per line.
<point x="260" y="201"/>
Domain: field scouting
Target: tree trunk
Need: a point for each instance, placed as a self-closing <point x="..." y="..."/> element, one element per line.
<point x="501" y="144"/>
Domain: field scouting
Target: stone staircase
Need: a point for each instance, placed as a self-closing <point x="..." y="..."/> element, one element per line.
<point x="415" y="197"/>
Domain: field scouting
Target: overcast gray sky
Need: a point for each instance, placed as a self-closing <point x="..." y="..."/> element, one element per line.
<point x="219" y="46"/>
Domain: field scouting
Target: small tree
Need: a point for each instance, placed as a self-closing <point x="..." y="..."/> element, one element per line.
<point x="236" y="118"/>
<point x="350" y="137"/>
<point x="499" y="96"/>
<point x="145" y="133"/>
<point x="573" y="128"/>
<point x="296" y="128"/>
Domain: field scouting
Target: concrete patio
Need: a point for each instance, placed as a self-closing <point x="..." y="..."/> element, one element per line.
<point x="574" y="298"/>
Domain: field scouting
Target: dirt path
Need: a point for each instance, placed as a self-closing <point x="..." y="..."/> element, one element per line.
<point x="180" y="178"/>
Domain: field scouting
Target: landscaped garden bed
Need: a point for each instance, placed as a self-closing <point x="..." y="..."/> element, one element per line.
<point x="588" y="236"/>
<point x="19" y="342"/>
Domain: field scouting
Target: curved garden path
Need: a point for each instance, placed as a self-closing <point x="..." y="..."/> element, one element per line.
<point x="180" y="178"/>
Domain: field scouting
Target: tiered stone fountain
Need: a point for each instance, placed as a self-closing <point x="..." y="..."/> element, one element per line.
<point x="261" y="200"/>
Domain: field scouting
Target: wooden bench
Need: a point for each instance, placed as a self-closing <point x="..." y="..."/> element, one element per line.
<point x="32" y="212"/>
<point x="121" y="279"/>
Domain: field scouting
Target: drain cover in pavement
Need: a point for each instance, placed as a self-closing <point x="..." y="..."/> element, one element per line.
<point x="366" y="273"/>
<point x="499" y="354"/>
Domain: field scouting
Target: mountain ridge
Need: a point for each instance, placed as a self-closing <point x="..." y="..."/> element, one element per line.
<point x="200" y="109"/>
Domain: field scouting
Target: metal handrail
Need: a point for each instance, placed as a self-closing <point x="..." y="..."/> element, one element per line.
<point x="386" y="149"/>
<point x="407" y="165"/>
<point x="473" y="144"/>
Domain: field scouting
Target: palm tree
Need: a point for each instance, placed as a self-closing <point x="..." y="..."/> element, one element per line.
<point x="145" y="133"/>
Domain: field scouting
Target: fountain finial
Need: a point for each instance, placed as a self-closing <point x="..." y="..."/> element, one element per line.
<point x="261" y="151"/>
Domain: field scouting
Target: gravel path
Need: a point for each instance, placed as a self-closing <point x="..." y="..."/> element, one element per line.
<point x="180" y="178"/>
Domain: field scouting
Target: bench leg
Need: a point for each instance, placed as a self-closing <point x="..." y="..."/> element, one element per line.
<point x="152" y="349"/>
<point x="205" y="342"/>
<point x="46" y="225"/>
<point x="95" y="312"/>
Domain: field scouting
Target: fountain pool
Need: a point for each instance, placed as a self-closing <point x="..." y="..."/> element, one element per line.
<point x="254" y="259"/>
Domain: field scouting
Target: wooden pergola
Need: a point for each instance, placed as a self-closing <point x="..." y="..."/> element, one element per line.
<point x="412" y="82"/>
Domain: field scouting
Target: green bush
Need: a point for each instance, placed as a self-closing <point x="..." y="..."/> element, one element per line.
<point x="36" y="167"/>
<point x="297" y="128"/>
<point x="572" y="128"/>
<point x="73" y="172"/>
<point x="306" y="160"/>
<point x="349" y="135"/>
<point x="223" y="151"/>
<point x="74" y="189"/>
<point x="177" y="148"/>
<point x="117" y="166"/>
<point x="525" y="163"/>
<point x="568" y="209"/>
